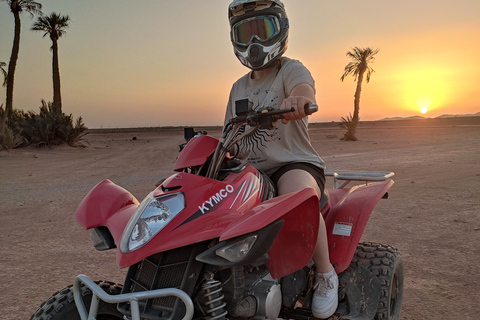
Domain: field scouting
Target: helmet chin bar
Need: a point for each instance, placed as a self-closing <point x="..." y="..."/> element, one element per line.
<point x="258" y="57"/>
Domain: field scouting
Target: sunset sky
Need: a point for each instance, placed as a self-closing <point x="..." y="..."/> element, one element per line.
<point x="126" y="63"/>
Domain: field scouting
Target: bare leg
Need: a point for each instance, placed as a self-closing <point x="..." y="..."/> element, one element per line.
<point x="296" y="180"/>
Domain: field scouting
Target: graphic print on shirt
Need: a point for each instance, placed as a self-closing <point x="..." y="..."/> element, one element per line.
<point x="254" y="144"/>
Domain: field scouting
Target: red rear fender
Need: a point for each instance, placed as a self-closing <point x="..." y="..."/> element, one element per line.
<point x="346" y="221"/>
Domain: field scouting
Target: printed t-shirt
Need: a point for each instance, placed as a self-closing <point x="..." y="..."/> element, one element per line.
<point x="268" y="150"/>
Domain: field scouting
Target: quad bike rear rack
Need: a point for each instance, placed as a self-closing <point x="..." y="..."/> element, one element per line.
<point x="98" y="294"/>
<point x="347" y="176"/>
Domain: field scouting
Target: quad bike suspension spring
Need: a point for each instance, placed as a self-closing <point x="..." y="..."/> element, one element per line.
<point x="214" y="304"/>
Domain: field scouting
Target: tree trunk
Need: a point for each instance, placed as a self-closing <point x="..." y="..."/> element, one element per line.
<point x="12" y="65"/>
<point x="57" y="99"/>
<point x="358" y="90"/>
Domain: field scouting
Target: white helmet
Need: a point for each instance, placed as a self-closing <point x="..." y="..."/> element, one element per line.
<point x="259" y="31"/>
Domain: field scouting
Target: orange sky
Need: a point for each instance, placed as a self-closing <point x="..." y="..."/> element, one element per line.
<point x="171" y="63"/>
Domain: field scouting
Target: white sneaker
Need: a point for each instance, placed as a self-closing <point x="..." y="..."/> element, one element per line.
<point x="325" y="297"/>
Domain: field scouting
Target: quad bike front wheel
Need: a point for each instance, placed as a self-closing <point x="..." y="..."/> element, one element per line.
<point x="386" y="264"/>
<point x="61" y="305"/>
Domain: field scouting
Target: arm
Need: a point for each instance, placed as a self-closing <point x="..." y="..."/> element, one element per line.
<point x="300" y="95"/>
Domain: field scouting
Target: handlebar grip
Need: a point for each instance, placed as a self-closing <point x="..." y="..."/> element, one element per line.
<point x="310" y="108"/>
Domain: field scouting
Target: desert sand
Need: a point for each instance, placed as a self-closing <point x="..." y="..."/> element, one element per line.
<point x="432" y="214"/>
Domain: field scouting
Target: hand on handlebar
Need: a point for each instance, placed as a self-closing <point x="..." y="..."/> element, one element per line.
<point x="301" y="106"/>
<point x="266" y="118"/>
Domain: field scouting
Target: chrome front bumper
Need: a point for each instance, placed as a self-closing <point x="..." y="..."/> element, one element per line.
<point x="98" y="294"/>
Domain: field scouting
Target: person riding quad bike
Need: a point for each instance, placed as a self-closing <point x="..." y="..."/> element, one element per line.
<point x="259" y="34"/>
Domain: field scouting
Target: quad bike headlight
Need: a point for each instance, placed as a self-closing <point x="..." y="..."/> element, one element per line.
<point x="151" y="216"/>
<point x="237" y="250"/>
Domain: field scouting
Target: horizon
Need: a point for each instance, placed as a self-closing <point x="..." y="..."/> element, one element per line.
<point x="130" y="72"/>
<point x="475" y="116"/>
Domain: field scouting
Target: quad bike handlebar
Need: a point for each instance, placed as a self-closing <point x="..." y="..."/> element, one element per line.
<point x="267" y="118"/>
<point x="263" y="119"/>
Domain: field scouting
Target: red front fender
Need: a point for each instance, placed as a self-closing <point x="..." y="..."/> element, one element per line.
<point x="107" y="204"/>
<point x="294" y="245"/>
<point x="348" y="217"/>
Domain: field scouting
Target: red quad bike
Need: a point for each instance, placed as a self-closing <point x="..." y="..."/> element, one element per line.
<point x="213" y="241"/>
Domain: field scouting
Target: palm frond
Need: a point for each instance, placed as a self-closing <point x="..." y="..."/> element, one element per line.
<point x="32" y="7"/>
<point x="53" y="25"/>
<point x="361" y="58"/>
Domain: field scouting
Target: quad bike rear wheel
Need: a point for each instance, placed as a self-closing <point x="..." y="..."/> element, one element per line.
<point x="61" y="305"/>
<point x="386" y="264"/>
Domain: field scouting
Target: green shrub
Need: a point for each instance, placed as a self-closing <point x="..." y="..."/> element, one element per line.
<point x="47" y="128"/>
<point x="8" y="138"/>
<point x="351" y="127"/>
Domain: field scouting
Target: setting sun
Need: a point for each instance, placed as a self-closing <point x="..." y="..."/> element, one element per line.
<point x="425" y="88"/>
<point x="423" y="110"/>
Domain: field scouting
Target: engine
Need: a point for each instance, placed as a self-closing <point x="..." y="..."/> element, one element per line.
<point x="247" y="294"/>
<point x="267" y="293"/>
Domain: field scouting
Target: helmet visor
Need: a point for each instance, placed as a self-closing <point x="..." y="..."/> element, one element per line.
<point x="262" y="28"/>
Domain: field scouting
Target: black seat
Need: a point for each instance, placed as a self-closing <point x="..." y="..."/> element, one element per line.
<point x="323" y="200"/>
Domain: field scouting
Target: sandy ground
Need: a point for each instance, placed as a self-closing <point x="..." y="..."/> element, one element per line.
<point x="432" y="214"/>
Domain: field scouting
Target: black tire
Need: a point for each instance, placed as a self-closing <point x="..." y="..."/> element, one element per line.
<point x="61" y="305"/>
<point x="386" y="264"/>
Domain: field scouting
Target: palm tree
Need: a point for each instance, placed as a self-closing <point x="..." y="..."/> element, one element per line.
<point x="17" y="6"/>
<point x="362" y="58"/>
<point x="53" y="25"/>
<point x="2" y="67"/>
